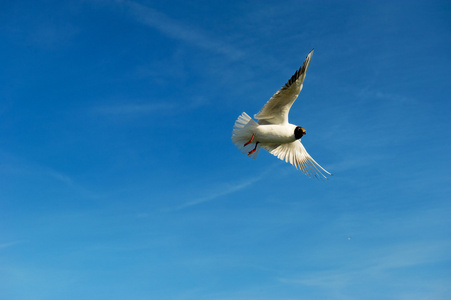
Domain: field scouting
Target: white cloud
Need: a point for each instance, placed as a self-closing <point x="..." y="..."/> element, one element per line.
<point x="137" y="108"/>
<point x="9" y="244"/>
<point x="179" y="31"/>
<point x="377" y="264"/>
<point x="22" y="168"/>
<point x="364" y="261"/>
<point x="221" y="191"/>
<point x="131" y="109"/>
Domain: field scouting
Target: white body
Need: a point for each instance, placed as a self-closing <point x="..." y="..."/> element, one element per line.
<point x="275" y="134"/>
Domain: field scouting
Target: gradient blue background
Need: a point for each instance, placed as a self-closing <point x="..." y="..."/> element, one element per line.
<point x="118" y="178"/>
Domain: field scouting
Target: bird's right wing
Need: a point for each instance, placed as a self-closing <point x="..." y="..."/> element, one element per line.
<point x="277" y="108"/>
<point x="295" y="154"/>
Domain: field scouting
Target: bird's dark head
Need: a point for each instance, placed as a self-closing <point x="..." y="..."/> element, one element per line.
<point x="299" y="132"/>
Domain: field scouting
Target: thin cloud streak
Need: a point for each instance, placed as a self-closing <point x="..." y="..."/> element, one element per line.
<point x="179" y="31"/>
<point x="138" y="109"/>
<point x="21" y="168"/>
<point x="10" y="244"/>
<point x="58" y="176"/>
<point x="132" y="109"/>
<point x="226" y="189"/>
<point x="383" y="261"/>
<point x="410" y="255"/>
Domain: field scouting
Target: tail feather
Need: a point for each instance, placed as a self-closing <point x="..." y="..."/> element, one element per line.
<point x="242" y="133"/>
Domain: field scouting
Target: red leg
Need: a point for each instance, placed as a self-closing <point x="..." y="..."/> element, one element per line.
<point x="250" y="141"/>
<point x="252" y="151"/>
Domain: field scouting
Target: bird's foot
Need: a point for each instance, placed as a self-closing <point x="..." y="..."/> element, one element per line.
<point x="253" y="150"/>
<point x="250" y="141"/>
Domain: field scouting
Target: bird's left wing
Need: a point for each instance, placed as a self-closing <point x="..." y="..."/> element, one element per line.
<point x="277" y="108"/>
<point x="295" y="154"/>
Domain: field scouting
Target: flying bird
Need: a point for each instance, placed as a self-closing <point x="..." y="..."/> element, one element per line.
<point x="274" y="133"/>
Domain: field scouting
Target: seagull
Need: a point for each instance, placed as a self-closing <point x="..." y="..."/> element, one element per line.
<point x="274" y="133"/>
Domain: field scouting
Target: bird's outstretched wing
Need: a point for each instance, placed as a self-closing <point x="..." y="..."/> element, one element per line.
<point x="277" y="108"/>
<point x="295" y="154"/>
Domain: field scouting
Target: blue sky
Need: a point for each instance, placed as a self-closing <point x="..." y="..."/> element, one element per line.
<point x="118" y="178"/>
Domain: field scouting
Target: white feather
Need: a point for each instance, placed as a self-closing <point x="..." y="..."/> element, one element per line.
<point x="295" y="154"/>
<point x="242" y="133"/>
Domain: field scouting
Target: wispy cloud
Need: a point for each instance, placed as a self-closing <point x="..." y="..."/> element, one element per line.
<point x="22" y="168"/>
<point x="137" y="108"/>
<point x="9" y="244"/>
<point x="180" y="31"/>
<point x="221" y="191"/>
<point x="378" y="261"/>
<point x="362" y="160"/>
<point x="132" y="109"/>
<point x="43" y="28"/>
<point x="339" y="283"/>
<point x="385" y="263"/>
<point x="369" y="262"/>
